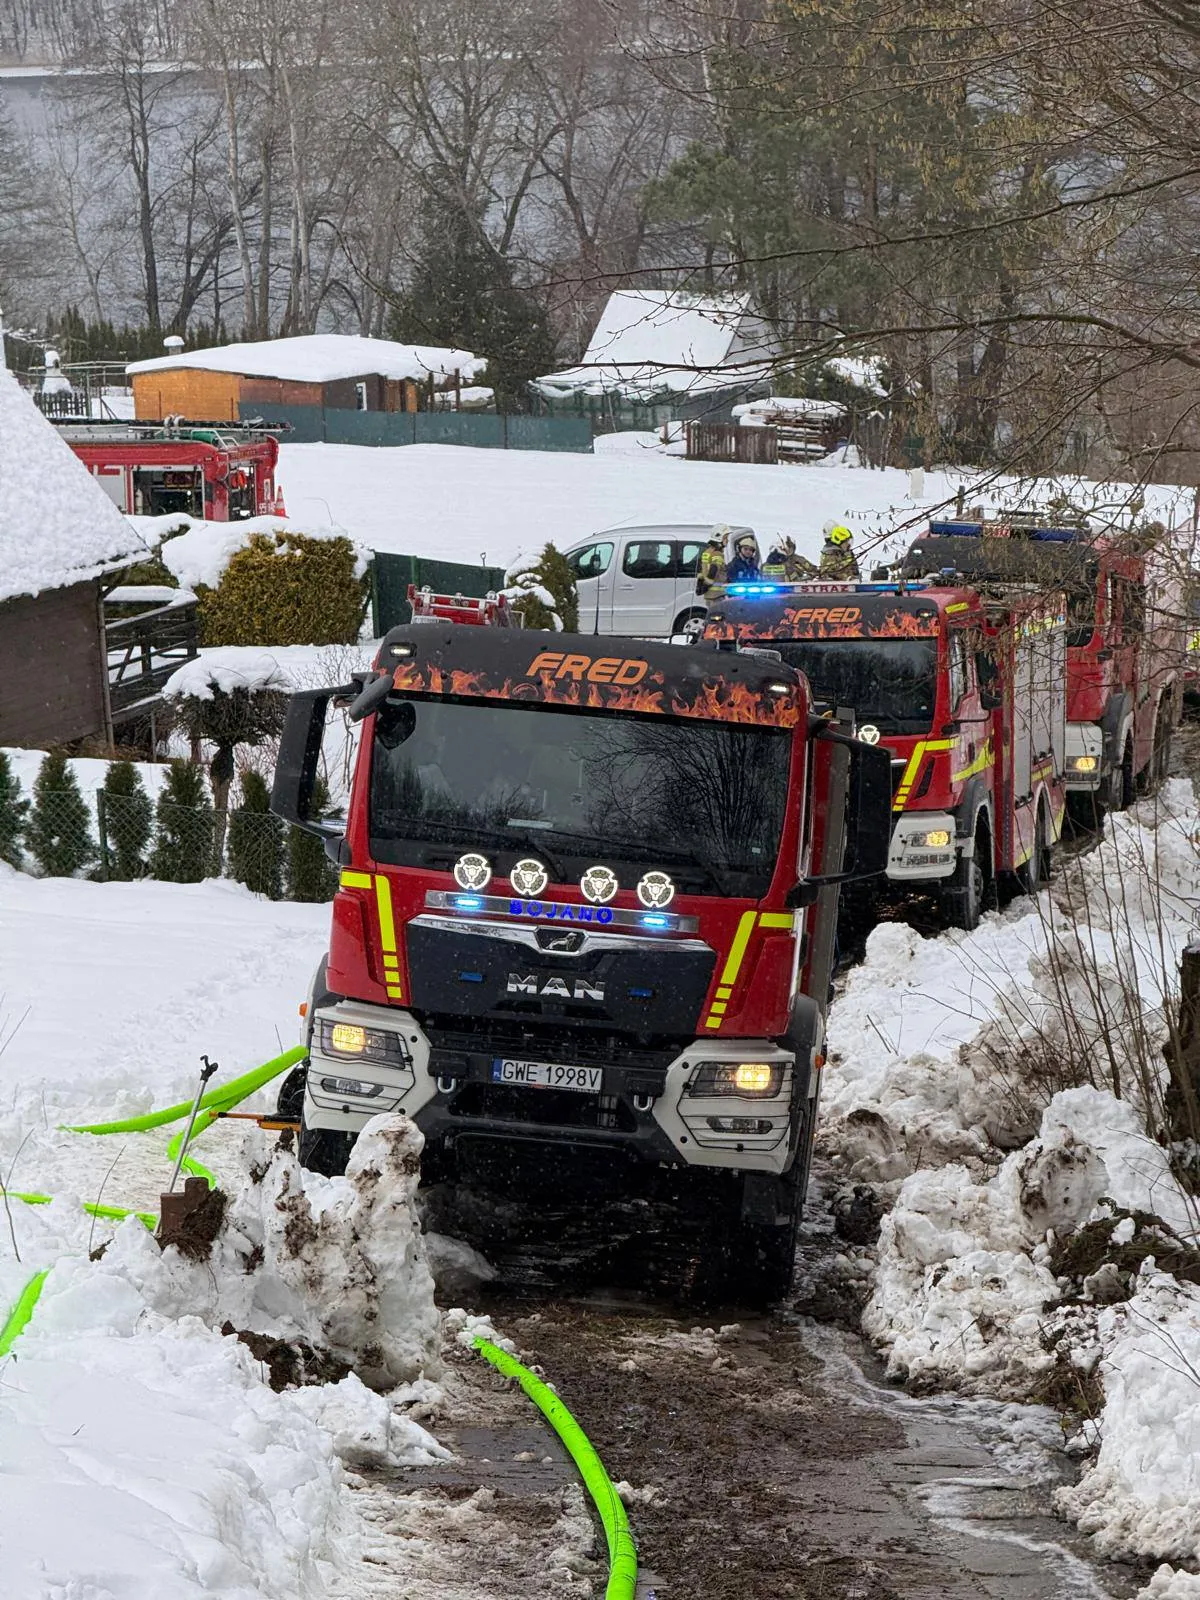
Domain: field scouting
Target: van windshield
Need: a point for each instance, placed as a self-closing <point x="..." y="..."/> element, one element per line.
<point x="890" y="682"/>
<point x="704" y="801"/>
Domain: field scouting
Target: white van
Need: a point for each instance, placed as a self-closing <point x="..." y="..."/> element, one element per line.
<point x="642" y="581"/>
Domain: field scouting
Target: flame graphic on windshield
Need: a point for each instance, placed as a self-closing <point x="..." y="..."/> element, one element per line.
<point x="808" y="622"/>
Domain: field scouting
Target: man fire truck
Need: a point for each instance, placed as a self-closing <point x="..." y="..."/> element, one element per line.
<point x="586" y="918"/>
<point x="1126" y="638"/>
<point x="218" y="472"/>
<point x="966" y="694"/>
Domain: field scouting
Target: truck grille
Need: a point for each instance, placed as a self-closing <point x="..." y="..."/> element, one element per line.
<point x="509" y="1103"/>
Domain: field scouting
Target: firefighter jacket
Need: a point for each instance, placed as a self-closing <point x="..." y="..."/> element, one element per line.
<point x="838" y="564"/>
<point x="712" y="568"/>
<point x="744" y="569"/>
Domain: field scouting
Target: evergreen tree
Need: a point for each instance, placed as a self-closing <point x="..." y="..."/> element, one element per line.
<point x="127" y="821"/>
<point x="59" y="834"/>
<point x="13" y="811"/>
<point x="256" y="840"/>
<point x="183" y="837"/>
<point x="310" y="873"/>
<point x="463" y="295"/>
<point x="551" y="573"/>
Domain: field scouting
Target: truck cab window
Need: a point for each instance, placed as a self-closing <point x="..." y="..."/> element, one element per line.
<point x="959" y="672"/>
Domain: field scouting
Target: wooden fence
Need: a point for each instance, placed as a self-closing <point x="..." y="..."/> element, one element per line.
<point x="725" y="441"/>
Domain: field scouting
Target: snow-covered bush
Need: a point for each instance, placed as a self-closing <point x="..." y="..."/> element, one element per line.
<point x="542" y="588"/>
<point x="286" y="588"/>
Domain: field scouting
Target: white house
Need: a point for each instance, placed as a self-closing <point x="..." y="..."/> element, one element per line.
<point x="653" y="347"/>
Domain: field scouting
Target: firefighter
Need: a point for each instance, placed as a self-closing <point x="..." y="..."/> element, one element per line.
<point x="837" y="558"/>
<point x="783" y="562"/>
<point x="746" y="565"/>
<point x="712" y="560"/>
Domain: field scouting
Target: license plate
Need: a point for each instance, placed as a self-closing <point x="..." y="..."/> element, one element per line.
<point x="544" y="1075"/>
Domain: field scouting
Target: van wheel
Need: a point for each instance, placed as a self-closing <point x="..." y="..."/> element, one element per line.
<point x="691" y="623"/>
<point x="965" y="896"/>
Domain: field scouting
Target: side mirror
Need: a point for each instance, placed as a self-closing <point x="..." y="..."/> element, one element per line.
<point x="989" y="700"/>
<point x="1104" y="655"/>
<point x="371" y="695"/>
<point x="868" y="812"/>
<point x="299" y="753"/>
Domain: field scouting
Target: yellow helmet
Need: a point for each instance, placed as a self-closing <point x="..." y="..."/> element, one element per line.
<point x="838" y="533"/>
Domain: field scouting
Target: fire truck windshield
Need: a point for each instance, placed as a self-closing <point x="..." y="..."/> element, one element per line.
<point x="703" y="800"/>
<point x="890" y="682"/>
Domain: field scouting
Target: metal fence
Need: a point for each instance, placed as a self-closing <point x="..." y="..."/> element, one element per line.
<point x="392" y="574"/>
<point x="113" y="838"/>
<point x="482" y="430"/>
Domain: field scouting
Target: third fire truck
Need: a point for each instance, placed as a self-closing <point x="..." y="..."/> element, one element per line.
<point x="1126" y="637"/>
<point x="968" y="695"/>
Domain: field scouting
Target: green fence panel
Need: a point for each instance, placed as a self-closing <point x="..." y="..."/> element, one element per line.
<point x="306" y="422"/>
<point x="369" y="427"/>
<point x="550" y="433"/>
<point x="481" y="429"/>
<point x="392" y="574"/>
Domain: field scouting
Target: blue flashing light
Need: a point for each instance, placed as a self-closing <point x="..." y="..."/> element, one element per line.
<point x="752" y="588"/>
<point x="470" y="977"/>
<point x="468" y="902"/>
<point x="641" y="994"/>
<point x="654" y="919"/>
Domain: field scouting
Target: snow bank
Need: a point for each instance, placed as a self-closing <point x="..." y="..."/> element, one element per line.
<point x="1142" y="1495"/>
<point x="963" y="1278"/>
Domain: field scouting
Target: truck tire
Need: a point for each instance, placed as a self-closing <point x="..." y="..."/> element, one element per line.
<point x="325" y="1151"/>
<point x="289" y="1107"/>
<point x="762" y="1255"/>
<point x="1035" y="874"/>
<point x="1124" y="782"/>
<point x="964" y="899"/>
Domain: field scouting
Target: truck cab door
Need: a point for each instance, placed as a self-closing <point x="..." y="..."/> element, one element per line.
<point x="592" y="568"/>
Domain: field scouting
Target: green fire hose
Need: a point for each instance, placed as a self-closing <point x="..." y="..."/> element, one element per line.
<point x="18" y="1317"/>
<point x="622" y="1553"/>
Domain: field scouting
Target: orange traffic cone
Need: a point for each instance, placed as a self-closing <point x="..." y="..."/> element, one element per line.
<point x="280" y="510"/>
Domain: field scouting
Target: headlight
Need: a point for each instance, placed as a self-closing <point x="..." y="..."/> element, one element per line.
<point x="759" y="1079"/>
<point x="349" y="1040"/>
<point x="354" y="1086"/>
<point x="1083" y="763"/>
<point x="935" y="839"/>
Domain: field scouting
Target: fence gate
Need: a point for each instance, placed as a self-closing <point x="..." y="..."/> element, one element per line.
<point x="726" y="441"/>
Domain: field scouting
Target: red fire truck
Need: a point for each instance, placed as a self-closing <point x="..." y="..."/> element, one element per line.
<point x="586" y="919"/>
<point x="217" y="472"/>
<point x="967" y="696"/>
<point x="1126" y="639"/>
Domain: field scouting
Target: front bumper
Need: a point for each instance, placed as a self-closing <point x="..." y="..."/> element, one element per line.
<point x="911" y="857"/>
<point x="645" y="1109"/>
<point x="1083" y="768"/>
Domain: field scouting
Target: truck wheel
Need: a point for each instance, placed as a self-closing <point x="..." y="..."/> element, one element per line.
<point x="1086" y="810"/>
<point x="763" y="1256"/>
<point x="290" y="1105"/>
<point x="1123" y="780"/>
<point x="690" y="623"/>
<point x="964" y="897"/>
<point x="1036" y="870"/>
<point x="325" y="1151"/>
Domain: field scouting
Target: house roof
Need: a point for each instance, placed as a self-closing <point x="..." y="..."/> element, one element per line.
<point x="651" y="341"/>
<point x="57" y="526"/>
<point x="321" y="358"/>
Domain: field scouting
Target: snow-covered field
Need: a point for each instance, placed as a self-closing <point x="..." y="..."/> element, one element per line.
<point x="488" y="505"/>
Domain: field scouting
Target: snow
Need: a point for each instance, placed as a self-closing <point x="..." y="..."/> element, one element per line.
<point x="865" y="371"/>
<point x="89" y="771"/>
<point x="651" y="340"/>
<point x="197" y="553"/>
<point x="321" y="358"/>
<point x="57" y="526"/>
<point x="283" y="668"/>
<point x="800" y="406"/>
<point x="455" y="503"/>
<point x="148" y="594"/>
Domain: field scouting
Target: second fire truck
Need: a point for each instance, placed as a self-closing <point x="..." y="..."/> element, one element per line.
<point x="965" y="692"/>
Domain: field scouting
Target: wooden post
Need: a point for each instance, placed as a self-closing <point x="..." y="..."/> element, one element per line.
<point x="457" y="390"/>
<point x="1182" y="1052"/>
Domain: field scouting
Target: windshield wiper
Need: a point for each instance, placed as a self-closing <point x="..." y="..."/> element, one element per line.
<point x="639" y="850"/>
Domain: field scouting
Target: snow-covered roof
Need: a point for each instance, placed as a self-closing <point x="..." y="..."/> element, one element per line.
<point x="651" y="341"/>
<point x="57" y="526"/>
<point x="321" y="358"/>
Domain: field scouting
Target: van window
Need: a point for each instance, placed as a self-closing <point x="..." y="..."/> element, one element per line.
<point x="654" y="558"/>
<point x="591" y="561"/>
<point x="687" y="555"/>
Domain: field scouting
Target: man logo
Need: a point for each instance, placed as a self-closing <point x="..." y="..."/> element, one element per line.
<point x="565" y="940"/>
<point x="656" y="891"/>
<point x="529" y="877"/>
<point x="869" y="733"/>
<point x="599" y="885"/>
<point x="472" y="872"/>
<point x="554" y="988"/>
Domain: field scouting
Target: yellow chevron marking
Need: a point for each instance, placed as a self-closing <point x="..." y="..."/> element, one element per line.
<point x="921" y="749"/>
<point x="777" y="919"/>
<point x="355" y="880"/>
<point x="737" y="950"/>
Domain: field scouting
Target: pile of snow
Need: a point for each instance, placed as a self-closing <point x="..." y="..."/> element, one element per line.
<point x="864" y="371"/>
<point x="321" y="358"/>
<point x="1141" y="1497"/>
<point x="57" y="526"/>
<point x="256" y="668"/>
<point x="757" y="412"/>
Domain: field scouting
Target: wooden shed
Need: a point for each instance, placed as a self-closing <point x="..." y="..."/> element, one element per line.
<point x="59" y="535"/>
<point x="335" y="370"/>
